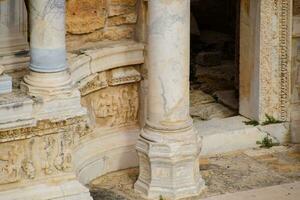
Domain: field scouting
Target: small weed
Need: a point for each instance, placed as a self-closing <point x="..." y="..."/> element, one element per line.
<point x="161" y="197"/>
<point x="267" y="142"/>
<point x="270" y="120"/>
<point x="252" y="122"/>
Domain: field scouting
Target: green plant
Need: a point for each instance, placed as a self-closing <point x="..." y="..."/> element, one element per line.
<point x="270" y="120"/>
<point x="267" y="142"/>
<point x="161" y="197"/>
<point x="251" y="122"/>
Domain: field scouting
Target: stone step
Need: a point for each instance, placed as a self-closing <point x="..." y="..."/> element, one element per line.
<point x="232" y="134"/>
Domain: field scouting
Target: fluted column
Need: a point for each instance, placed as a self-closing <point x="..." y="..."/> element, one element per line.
<point x="48" y="75"/>
<point x="168" y="147"/>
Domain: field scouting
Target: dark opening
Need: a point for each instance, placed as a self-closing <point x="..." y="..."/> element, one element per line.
<point x="214" y="70"/>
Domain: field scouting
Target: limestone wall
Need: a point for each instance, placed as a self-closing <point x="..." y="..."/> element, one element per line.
<point x="100" y="20"/>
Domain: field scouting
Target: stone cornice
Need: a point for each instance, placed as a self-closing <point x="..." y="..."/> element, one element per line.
<point x="105" y="57"/>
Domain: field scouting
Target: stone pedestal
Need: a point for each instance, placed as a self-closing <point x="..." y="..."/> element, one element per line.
<point x="169" y="167"/>
<point x="168" y="146"/>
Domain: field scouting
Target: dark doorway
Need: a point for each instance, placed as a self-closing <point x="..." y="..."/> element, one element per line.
<point x="214" y="68"/>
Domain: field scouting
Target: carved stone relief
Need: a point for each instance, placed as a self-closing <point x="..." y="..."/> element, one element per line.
<point x="114" y="106"/>
<point x="111" y="97"/>
<point x="40" y="155"/>
<point x="10" y="164"/>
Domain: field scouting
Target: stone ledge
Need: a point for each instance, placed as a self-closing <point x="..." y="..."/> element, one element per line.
<point x="220" y="137"/>
<point x="105" y="57"/>
<point x="71" y="190"/>
<point x="17" y="109"/>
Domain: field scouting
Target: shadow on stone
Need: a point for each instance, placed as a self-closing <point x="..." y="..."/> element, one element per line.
<point x="105" y="194"/>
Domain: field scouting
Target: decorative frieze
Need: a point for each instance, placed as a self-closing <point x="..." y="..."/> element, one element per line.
<point x="44" y="127"/>
<point x="113" y="106"/>
<point x="285" y="33"/>
<point x="93" y="83"/>
<point x="39" y="151"/>
<point x="124" y="75"/>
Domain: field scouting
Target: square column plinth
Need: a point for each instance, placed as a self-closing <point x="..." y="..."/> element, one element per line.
<point x="169" y="168"/>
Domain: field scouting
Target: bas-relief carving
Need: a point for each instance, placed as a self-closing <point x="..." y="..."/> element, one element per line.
<point x="9" y="163"/>
<point x="42" y="154"/>
<point x="114" y="106"/>
<point x="112" y="96"/>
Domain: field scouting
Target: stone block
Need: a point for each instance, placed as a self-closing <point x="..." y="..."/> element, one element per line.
<point x="85" y="16"/>
<point x="5" y="84"/>
<point x="280" y="132"/>
<point x="209" y="58"/>
<point x="130" y="18"/>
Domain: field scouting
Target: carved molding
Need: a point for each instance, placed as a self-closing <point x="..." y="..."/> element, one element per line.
<point x="275" y="54"/>
<point x="44" y="127"/>
<point x="285" y="37"/>
<point x="114" y="77"/>
<point x="105" y="58"/>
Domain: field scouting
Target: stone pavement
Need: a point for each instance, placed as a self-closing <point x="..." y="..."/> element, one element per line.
<point x="290" y="191"/>
<point x="242" y="174"/>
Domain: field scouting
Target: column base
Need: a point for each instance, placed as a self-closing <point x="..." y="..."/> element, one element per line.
<point x="169" y="167"/>
<point x="71" y="190"/>
<point x="47" y="85"/>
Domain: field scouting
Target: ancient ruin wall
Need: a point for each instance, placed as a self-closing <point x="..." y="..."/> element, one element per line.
<point x="100" y="20"/>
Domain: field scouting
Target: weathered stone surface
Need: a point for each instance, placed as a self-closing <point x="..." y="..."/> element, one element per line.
<point x="119" y="7"/>
<point x="211" y="111"/>
<point x="130" y="18"/>
<point x="123" y="2"/>
<point x="111" y="33"/>
<point x="85" y="16"/>
<point x="98" y="20"/>
<point x="197" y="97"/>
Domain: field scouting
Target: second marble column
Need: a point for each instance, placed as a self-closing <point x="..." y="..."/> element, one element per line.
<point x="168" y="147"/>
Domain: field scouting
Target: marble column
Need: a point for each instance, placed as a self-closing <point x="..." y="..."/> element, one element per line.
<point x="169" y="147"/>
<point x="48" y="72"/>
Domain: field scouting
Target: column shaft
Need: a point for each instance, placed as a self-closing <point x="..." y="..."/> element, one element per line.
<point x="169" y="30"/>
<point x="47" y="35"/>
<point x="168" y="147"/>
